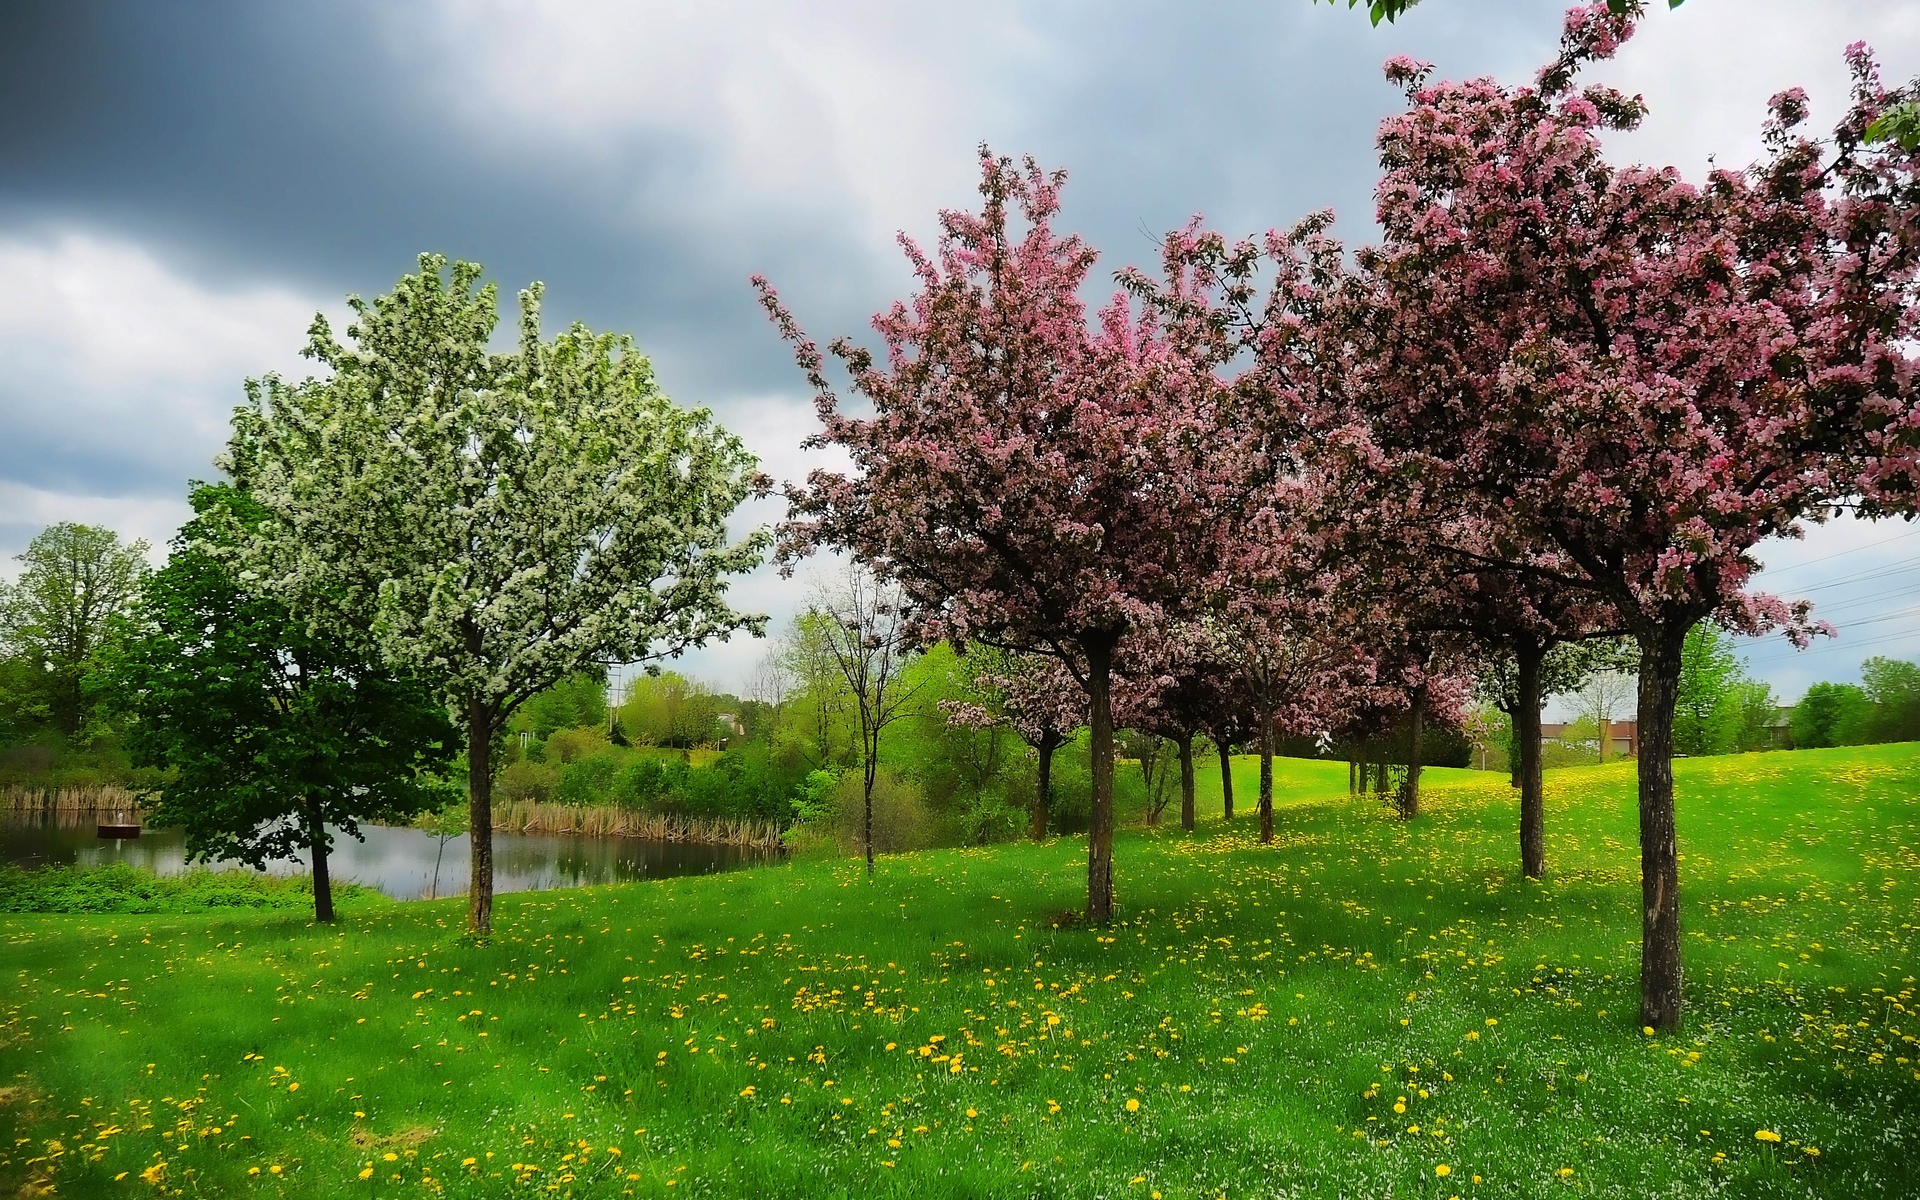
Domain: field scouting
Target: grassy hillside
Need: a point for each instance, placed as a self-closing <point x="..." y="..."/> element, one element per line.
<point x="1364" y="1009"/>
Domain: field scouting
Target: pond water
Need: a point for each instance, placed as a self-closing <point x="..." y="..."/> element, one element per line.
<point x="406" y="864"/>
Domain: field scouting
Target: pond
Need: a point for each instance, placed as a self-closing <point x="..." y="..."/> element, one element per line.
<point x="406" y="864"/>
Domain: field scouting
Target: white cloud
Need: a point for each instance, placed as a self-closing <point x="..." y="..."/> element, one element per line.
<point x="860" y="103"/>
<point x="117" y="373"/>
<point x="1708" y="68"/>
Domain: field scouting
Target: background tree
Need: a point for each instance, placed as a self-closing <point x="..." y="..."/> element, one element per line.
<point x="866" y="631"/>
<point x="1601" y="700"/>
<point x="268" y="734"/>
<point x="1830" y="714"/>
<point x="1706" y="701"/>
<point x="1031" y="482"/>
<point x="1893" y="688"/>
<point x="75" y="580"/>
<point x="492" y="522"/>
<point x="1035" y="697"/>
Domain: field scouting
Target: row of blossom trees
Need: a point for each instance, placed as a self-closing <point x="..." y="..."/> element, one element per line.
<point x="1559" y="399"/>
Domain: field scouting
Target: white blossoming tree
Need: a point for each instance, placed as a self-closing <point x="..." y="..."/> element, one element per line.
<point x="490" y="522"/>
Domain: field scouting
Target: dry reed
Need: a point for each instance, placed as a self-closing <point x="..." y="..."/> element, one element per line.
<point x="16" y="797"/>
<point x="531" y="816"/>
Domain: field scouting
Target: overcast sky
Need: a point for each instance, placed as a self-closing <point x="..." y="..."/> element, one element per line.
<point x="183" y="185"/>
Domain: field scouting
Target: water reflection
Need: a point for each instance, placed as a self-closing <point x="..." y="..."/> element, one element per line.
<point x="406" y="864"/>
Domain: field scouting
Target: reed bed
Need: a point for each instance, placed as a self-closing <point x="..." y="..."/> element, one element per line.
<point x="15" y="797"/>
<point x="605" y="820"/>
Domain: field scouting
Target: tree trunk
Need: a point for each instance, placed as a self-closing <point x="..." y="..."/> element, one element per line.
<point x="1380" y="774"/>
<point x="480" y="816"/>
<point x="1100" y="822"/>
<point x="1353" y="771"/>
<point x="1043" y="792"/>
<point x="1226" y="780"/>
<point x="317" y="850"/>
<point x="1187" y="818"/>
<point x="1660" y="967"/>
<point x="867" y="783"/>
<point x="1416" y="729"/>
<point x="1526" y="762"/>
<point x="1266" y="777"/>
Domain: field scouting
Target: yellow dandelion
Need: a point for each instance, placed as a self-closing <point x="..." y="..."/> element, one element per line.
<point x="1766" y="1135"/>
<point x="1443" y="1170"/>
<point x="366" y="1172"/>
<point x="1133" y="1105"/>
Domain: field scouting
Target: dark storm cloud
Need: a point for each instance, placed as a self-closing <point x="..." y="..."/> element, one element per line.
<point x="290" y="142"/>
<point x="295" y="142"/>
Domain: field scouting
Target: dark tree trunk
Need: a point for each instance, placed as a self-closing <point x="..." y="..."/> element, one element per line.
<point x="1100" y="821"/>
<point x="1226" y="780"/>
<point x="1526" y="762"/>
<point x="1416" y="729"/>
<point x="317" y="850"/>
<point x="1660" y="967"/>
<point x="1266" y="777"/>
<point x="1043" y="792"/>
<point x="867" y="795"/>
<point x="480" y="720"/>
<point x="1353" y="771"/>
<point x="1187" y="818"/>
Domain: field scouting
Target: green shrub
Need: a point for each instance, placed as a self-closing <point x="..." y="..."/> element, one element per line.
<point x="528" y="781"/>
<point x="119" y="888"/>
<point x="900" y="818"/>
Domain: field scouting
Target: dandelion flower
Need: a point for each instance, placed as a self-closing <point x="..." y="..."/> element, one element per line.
<point x="1443" y="1170"/>
<point x="1766" y="1135"/>
<point x="1133" y="1105"/>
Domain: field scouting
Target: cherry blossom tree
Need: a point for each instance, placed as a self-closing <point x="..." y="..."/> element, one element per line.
<point x="1642" y="375"/>
<point x="1170" y="687"/>
<point x="1032" y="480"/>
<point x="489" y="523"/>
<point x="1033" y="695"/>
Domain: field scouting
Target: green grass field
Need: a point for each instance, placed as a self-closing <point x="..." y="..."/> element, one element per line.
<point x="1364" y="1008"/>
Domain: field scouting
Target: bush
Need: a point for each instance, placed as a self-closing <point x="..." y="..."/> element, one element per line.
<point x="119" y="888"/>
<point x="587" y="781"/>
<point x="528" y="781"/>
<point x="900" y="819"/>
<point x="988" y="817"/>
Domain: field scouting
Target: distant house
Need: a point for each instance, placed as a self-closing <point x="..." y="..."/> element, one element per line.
<point x="1623" y="737"/>
<point x="731" y="722"/>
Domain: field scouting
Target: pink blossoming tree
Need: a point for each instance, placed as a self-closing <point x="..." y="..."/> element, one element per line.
<point x="1645" y="376"/>
<point x="1033" y="480"/>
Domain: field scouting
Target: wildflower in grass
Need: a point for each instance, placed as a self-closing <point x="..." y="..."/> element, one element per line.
<point x="366" y="1172"/>
<point x="1133" y="1106"/>
<point x="1565" y="1172"/>
<point x="1766" y="1135"/>
<point x="1443" y="1170"/>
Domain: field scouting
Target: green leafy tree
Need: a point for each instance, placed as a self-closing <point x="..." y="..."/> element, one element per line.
<point x="668" y="709"/>
<point x="269" y="734"/>
<point x="1893" y="688"/>
<point x="577" y="702"/>
<point x="490" y="522"/>
<point x="1705" y="715"/>
<point x="1830" y="714"/>
<point x="76" y="579"/>
<point x="1750" y="715"/>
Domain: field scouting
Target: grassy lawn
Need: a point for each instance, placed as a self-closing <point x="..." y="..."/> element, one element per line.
<point x="1363" y="1009"/>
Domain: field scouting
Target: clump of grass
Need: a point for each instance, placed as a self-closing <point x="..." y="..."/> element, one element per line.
<point x="119" y="888"/>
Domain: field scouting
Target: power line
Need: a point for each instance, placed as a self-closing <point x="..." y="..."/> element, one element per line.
<point x="1881" y="572"/>
<point x="1843" y="553"/>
